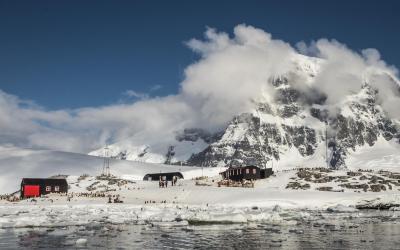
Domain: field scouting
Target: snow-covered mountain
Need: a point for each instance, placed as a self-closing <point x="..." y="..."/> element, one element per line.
<point x="297" y="127"/>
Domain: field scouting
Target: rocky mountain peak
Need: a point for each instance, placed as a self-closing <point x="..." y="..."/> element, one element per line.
<point x="297" y="127"/>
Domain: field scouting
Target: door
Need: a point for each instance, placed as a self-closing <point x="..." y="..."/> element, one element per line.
<point x="31" y="191"/>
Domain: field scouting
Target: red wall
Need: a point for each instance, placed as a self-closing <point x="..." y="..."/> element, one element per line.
<point x="31" y="190"/>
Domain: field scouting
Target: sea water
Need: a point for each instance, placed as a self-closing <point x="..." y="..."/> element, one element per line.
<point x="322" y="230"/>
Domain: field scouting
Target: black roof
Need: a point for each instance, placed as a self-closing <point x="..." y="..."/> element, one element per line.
<point x="54" y="181"/>
<point x="245" y="166"/>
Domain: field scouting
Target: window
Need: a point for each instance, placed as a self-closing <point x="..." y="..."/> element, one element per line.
<point x="57" y="188"/>
<point x="48" y="188"/>
<point x="247" y="171"/>
<point x="254" y="171"/>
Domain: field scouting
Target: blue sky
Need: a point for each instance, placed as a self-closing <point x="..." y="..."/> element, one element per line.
<point x="70" y="54"/>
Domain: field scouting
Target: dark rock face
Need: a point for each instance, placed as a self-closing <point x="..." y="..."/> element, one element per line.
<point x="337" y="155"/>
<point x="287" y="111"/>
<point x="259" y="143"/>
<point x="366" y="125"/>
<point x="321" y="115"/>
<point x="120" y="156"/>
<point x="279" y="81"/>
<point x="287" y="95"/>
<point x="303" y="138"/>
<point x="193" y="134"/>
<point x="239" y="150"/>
<point x="388" y="128"/>
<point x="351" y="133"/>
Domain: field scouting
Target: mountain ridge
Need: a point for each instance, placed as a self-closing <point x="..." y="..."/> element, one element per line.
<point x="294" y="114"/>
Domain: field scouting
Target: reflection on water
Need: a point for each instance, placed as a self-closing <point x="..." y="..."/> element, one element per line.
<point x="320" y="231"/>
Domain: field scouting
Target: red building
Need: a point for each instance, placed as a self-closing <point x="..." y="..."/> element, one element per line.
<point x="35" y="187"/>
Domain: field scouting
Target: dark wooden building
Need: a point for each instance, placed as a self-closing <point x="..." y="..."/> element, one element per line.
<point x="266" y="172"/>
<point x="242" y="173"/>
<point x="250" y="172"/>
<point x="35" y="187"/>
<point x="164" y="176"/>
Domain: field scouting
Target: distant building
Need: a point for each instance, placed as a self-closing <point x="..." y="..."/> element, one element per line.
<point x="266" y="172"/>
<point x="162" y="176"/>
<point x="35" y="187"/>
<point x="246" y="173"/>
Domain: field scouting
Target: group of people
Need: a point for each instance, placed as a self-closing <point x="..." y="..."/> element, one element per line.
<point x="163" y="182"/>
<point x="116" y="199"/>
<point x="87" y="194"/>
<point x="153" y="202"/>
<point x="10" y="198"/>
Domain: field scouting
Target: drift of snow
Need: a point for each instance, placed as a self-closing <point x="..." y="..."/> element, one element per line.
<point x="383" y="155"/>
<point x="141" y="148"/>
<point x="269" y="203"/>
<point x="19" y="163"/>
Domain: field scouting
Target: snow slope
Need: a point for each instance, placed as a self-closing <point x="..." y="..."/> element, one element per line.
<point x="16" y="163"/>
<point x="153" y="150"/>
<point x="383" y="155"/>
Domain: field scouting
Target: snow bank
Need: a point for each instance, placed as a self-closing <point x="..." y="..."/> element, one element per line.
<point x="16" y="163"/>
<point x="341" y="209"/>
<point x="383" y="155"/>
<point x="77" y="215"/>
<point x="163" y="215"/>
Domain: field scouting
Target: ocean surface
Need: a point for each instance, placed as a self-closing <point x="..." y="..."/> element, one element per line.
<point x="322" y="230"/>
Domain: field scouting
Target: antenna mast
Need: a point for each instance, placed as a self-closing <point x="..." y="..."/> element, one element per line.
<point x="259" y="140"/>
<point x="326" y="144"/>
<point x="106" y="163"/>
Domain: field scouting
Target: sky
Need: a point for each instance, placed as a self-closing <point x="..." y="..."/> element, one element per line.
<point x="74" y="54"/>
<point x="77" y="75"/>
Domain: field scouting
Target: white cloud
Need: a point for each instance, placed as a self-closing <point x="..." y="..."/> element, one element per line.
<point x="231" y="72"/>
<point x="155" y="87"/>
<point x="135" y="94"/>
<point x="345" y="71"/>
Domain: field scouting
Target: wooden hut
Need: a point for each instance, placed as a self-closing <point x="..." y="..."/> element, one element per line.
<point x="266" y="172"/>
<point x="162" y="176"/>
<point x="34" y="187"/>
<point x="242" y="173"/>
<point x="250" y="172"/>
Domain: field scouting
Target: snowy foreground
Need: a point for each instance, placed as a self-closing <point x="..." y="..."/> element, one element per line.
<point x="187" y="203"/>
<point x="191" y="201"/>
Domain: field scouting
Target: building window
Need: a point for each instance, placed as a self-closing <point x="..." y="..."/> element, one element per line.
<point x="57" y="188"/>
<point x="254" y="171"/>
<point x="48" y="188"/>
<point x="247" y="171"/>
